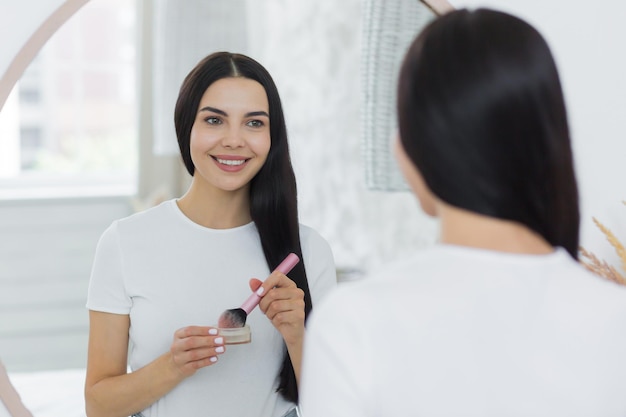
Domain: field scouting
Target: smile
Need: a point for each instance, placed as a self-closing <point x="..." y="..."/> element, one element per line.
<point x="231" y="162"/>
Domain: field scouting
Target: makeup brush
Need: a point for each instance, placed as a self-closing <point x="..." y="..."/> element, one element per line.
<point x="236" y="317"/>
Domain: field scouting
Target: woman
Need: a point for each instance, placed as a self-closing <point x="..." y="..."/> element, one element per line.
<point x="498" y="318"/>
<point x="161" y="278"/>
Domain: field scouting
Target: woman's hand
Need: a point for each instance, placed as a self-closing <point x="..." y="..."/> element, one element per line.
<point x="195" y="347"/>
<point x="112" y="391"/>
<point x="283" y="303"/>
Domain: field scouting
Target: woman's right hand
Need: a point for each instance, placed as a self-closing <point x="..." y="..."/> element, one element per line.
<point x="195" y="347"/>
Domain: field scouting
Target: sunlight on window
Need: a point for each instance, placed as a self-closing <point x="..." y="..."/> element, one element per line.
<point x="70" y="123"/>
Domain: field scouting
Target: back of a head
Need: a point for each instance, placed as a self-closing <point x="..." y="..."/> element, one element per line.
<point x="482" y="116"/>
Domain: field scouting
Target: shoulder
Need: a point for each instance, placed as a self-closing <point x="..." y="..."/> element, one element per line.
<point x="418" y="278"/>
<point x="319" y="263"/>
<point x="314" y="245"/>
<point x="308" y="234"/>
<point x="141" y="225"/>
<point x="365" y="297"/>
<point x="596" y="293"/>
<point x="342" y="317"/>
<point x="148" y="216"/>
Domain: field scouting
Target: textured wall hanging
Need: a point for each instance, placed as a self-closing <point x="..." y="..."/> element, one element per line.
<point x="388" y="29"/>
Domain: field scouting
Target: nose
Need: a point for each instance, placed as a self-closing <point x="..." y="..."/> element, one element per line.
<point x="233" y="138"/>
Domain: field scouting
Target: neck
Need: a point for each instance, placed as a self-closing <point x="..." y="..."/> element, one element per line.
<point x="216" y="209"/>
<point x="465" y="228"/>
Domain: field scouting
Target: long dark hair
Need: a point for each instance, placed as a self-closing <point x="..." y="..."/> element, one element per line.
<point x="482" y="116"/>
<point x="273" y="194"/>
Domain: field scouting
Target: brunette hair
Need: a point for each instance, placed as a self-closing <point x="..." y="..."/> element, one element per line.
<point x="482" y="116"/>
<point x="273" y="194"/>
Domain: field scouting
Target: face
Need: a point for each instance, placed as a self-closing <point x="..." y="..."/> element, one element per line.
<point x="230" y="137"/>
<point x="414" y="179"/>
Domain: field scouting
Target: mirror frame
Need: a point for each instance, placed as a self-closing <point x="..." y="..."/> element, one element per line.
<point x="33" y="45"/>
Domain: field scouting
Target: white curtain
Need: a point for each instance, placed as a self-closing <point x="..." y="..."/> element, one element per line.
<point x="184" y="32"/>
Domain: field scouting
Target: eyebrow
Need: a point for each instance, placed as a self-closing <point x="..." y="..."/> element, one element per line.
<point x="223" y="113"/>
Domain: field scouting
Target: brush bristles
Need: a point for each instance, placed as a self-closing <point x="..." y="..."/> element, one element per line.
<point x="231" y="319"/>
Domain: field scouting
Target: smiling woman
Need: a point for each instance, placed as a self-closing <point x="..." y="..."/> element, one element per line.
<point x="178" y="264"/>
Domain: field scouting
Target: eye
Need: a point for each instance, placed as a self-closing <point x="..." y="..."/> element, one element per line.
<point x="255" y="123"/>
<point x="212" y="120"/>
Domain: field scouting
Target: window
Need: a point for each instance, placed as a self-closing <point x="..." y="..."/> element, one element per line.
<point x="70" y="125"/>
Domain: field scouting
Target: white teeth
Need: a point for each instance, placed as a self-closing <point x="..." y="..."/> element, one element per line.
<point x="232" y="162"/>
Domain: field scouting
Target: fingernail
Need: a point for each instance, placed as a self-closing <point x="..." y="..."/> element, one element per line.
<point x="213" y="359"/>
<point x="219" y="341"/>
<point x="260" y="291"/>
<point x="213" y="332"/>
<point x="219" y="349"/>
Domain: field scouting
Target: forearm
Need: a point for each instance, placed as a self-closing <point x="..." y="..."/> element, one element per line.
<point x="295" y="354"/>
<point x="124" y="395"/>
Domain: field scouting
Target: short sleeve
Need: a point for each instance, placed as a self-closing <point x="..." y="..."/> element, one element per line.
<point x="107" y="290"/>
<point x="319" y="263"/>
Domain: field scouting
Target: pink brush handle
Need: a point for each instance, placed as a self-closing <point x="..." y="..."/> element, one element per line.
<point x="285" y="266"/>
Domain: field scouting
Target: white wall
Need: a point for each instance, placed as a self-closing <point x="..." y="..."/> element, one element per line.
<point x="46" y="250"/>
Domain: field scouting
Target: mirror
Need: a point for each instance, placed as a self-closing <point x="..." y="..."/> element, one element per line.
<point x="47" y="240"/>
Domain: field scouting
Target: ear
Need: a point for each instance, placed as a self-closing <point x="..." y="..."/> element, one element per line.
<point x="414" y="178"/>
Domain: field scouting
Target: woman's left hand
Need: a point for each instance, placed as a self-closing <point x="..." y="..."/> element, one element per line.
<point x="283" y="303"/>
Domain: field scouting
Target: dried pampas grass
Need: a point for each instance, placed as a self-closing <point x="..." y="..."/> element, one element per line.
<point x="601" y="267"/>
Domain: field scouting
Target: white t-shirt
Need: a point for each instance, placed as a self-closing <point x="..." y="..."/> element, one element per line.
<point x="456" y="331"/>
<point x="168" y="272"/>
